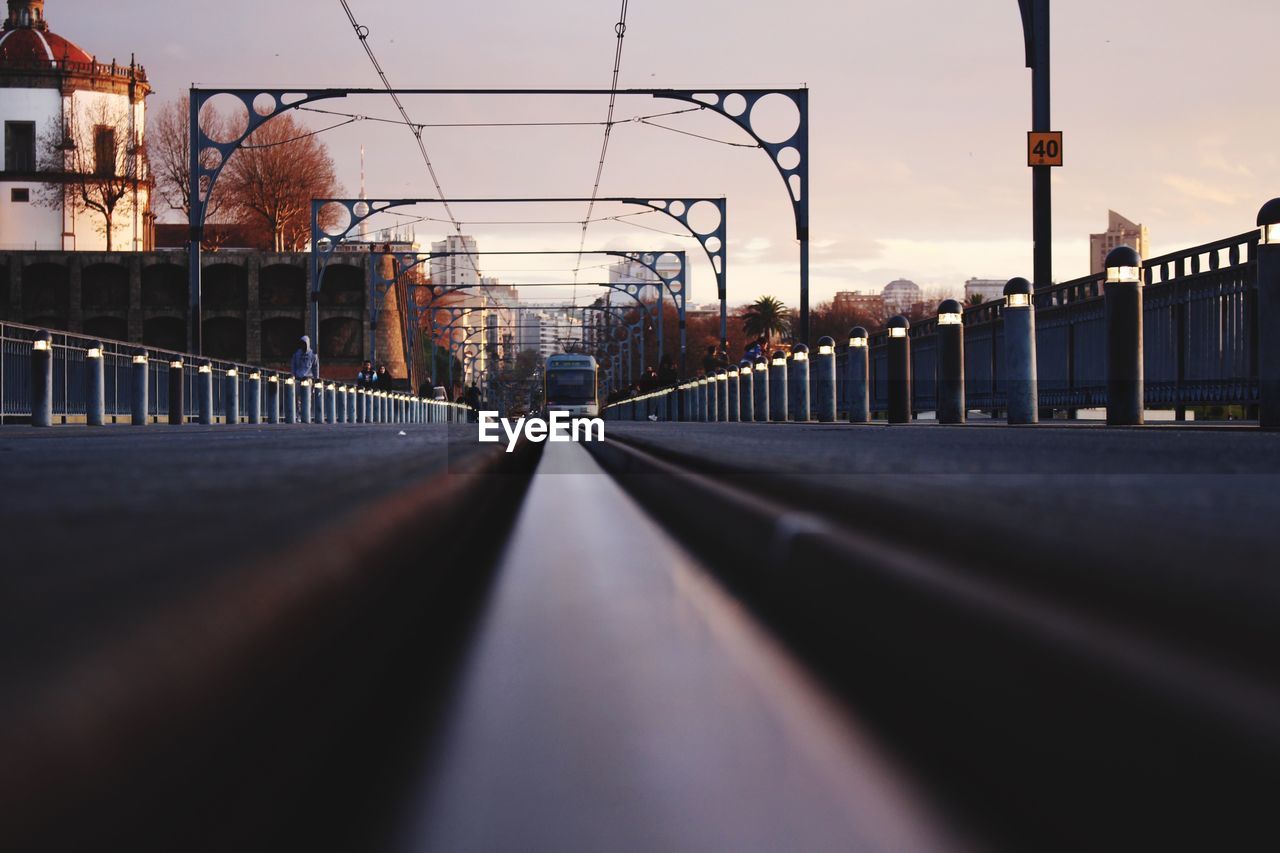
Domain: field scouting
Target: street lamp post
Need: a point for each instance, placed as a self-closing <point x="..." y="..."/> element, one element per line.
<point x="1035" y="27"/>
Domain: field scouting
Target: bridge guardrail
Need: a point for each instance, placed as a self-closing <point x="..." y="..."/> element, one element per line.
<point x="1200" y="342"/>
<point x="230" y="389"/>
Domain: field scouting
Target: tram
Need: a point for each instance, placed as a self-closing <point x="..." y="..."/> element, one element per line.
<point x="569" y="385"/>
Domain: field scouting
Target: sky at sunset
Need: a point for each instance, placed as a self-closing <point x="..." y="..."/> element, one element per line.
<point x="919" y="110"/>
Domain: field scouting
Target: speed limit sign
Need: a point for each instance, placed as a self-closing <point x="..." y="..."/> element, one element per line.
<point x="1044" y="149"/>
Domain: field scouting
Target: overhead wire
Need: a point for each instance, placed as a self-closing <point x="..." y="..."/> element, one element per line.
<point x="620" y="29"/>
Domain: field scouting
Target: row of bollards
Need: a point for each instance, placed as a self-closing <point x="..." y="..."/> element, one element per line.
<point x="304" y="401"/>
<point x="803" y="388"/>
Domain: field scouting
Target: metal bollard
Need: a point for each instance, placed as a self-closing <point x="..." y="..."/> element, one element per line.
<point x="699" y="399"/>
<point x="824" y="381"/>
<point x="1123" y="307"/>
<point x="204" y="390"/>
<point x="290" y="400"/>
<point x="139" y="395"/>
<point x="352" y="407"/>
<point x="1268" y="264"/>
<point x="317" y="401"/>
<point x="341" y="410"/>
<point x="722" y="395"/>
<point x="177" y="393"/>
<point x="858" y="377"/>
<point x="1022" y="394"/>
<point x="273" y="399"/>
<point x="950" y="404"/>
<point x="800" y="381"/>
<point x="307" y="398"/>
<point x="231" y="397"/>
<point x="254" y="390"/>
<point x="760" y="389"/>
<point x="778" y="386"/>
<point x="331" y="404"/>
<point x="42" y="379"/>
<point x="95" y="401"/>
<point x="746" y="393"/>
<point x="731" y="396"/>
<point x="899" y="357"/>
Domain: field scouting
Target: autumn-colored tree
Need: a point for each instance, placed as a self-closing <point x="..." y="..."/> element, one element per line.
<point x="95" y="163"/>
<point x="271" y="180"/>
<point x="169" y="146"/>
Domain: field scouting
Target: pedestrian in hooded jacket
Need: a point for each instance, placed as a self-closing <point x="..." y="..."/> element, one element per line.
<point x="306" y="364"/>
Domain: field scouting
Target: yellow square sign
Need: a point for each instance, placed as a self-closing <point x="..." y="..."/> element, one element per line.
<point x="1044" y="149"/>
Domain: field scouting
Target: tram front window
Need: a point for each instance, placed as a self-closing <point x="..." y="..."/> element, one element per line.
<point x="571" y="387"/>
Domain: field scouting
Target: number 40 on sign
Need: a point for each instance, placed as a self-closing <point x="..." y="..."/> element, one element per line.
<point x="1044" y="149"/>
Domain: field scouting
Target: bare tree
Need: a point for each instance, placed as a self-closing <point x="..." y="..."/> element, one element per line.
<point x="94" y="163"/>
<point x="272" y="178"/>
<point x="169" y="145"/>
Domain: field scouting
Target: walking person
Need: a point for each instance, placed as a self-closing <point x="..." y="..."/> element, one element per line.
<point x="367" y="375"/>
<point x="305" y="365"/>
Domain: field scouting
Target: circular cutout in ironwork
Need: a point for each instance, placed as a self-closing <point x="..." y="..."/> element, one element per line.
<point x="361" y="209"/>
<point x="224" y="118"/>
<point x="789" y="158"/>
<point x="333" y="218"/>
<point x="676" y="208"/>
<point x="265" y="104"/>
<point x="775" y="118"/>
<point x="704" y="217"/>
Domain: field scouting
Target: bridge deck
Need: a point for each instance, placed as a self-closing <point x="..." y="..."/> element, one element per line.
<point x="617" y="699"/>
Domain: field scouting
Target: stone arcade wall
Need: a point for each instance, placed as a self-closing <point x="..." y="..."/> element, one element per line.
<point x="255" y="304"/>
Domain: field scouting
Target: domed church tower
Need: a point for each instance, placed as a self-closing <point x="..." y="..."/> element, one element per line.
<point x="73" y="174"/>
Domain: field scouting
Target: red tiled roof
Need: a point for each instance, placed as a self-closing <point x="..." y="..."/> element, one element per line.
<point x="24" y="46"/>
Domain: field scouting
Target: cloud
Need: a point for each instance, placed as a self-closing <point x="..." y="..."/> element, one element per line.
<point x="1199" y="190"/>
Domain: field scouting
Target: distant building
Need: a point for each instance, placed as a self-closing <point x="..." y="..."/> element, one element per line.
<point x="548" y="332"/>
<point x="990" y="289"/>
<point x="870" y="305"/>
<point x="901" y="296"/>
<point x="633" y="272"/>
<point x="1120" y="232"/>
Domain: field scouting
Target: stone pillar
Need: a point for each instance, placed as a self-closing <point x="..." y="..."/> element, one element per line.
<point x="253" y="311"/>
<point x="75" y="314"/>
<point x="390" y="331"/>
<point x="134" y="317"/>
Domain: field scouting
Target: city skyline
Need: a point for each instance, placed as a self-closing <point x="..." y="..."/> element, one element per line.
<point x="933" y="148"/>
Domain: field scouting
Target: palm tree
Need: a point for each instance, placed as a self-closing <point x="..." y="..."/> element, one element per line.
<point x="975" y="299"/>
<point x="766" y="316"/>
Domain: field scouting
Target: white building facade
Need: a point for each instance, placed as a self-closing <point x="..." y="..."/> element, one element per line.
<point x="62" y="111"/>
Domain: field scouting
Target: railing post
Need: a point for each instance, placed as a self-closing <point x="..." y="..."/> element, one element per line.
<point x="857" y="387"/>
<point x="304" y="391"/>
<point x="1123" y="306"/>
<point x="231" y="397"/>
<point x="778" y="386"/>
<point x="204" y="387"/>
<point x="950" y="386"/>
<point x="290" y="400"/>
<point x="746" y="393"/>
<point x="254" y="390"/>
<point x="722" y="395"/>
<point x="760" y="389"/>
<point x="273" y="399"/>
<point x="139" y="396"/>
<point x="899" y="353"/>
<point x="42" y="379"/>
<point x="732" y="397"/>
<point x="1268" y="265"/>
<point x="824" y="381"/>
<point x="800" y="379"/>
<point x="177" y="393"/>
<point x="1022" y="394"/>
<point x="95" y="401"/>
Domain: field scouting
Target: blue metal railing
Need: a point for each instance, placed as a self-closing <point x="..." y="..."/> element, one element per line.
<point x="69" y="382"/>
<point x="1200" y="340"/>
